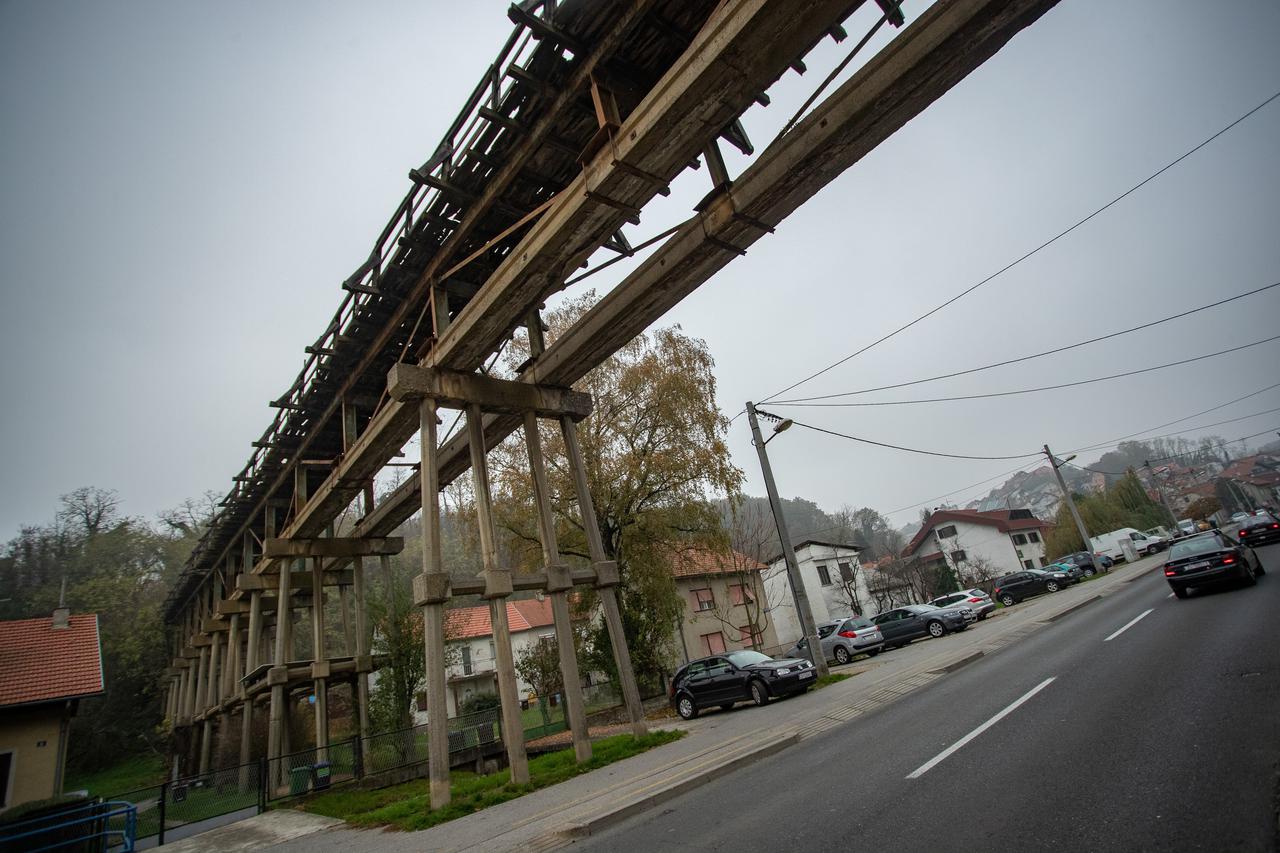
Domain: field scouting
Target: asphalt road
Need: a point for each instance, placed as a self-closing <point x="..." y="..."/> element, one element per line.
<point x="1139" y="722"/>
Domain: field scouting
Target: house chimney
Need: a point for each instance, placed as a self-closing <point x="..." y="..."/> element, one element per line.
<point x="62" y="614"/>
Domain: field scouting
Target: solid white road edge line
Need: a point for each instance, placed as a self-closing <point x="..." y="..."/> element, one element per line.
<point x="1129" y="624"/>
<point x="1170" y="595"/>
<point x="946" y="753"/>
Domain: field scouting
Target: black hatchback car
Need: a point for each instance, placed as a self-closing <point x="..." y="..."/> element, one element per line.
<point x="1259" y="529"/>
<point x="1011" y="589"/>
<point x="739" y="676"/>
<point x="1207" y="559"/>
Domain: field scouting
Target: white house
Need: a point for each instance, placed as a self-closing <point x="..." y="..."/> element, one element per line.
<point x="833" y="580"/>
<point x="979" y="545"/>
<point x="470" y="648"/>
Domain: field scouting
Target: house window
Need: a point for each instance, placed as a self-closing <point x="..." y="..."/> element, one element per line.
<point x="466" y="660"/>
<point x="6" y="771"/>
<point x="747" y="637"/>
<point x="713" y="644"/>
<point x="1033" y="536"/>
<point x="957" y="556"/>
<point x="741" y="594"/>
<point x="846" y="572"/>
<point x="1019" y="539"/>
<point x="1029" y="564"/>
<point x="824" y="576"/>
<point x="947" y="532"/>
<point x="703" y="599"/>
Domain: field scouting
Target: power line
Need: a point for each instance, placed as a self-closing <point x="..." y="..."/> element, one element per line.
<point x="908" y="449"/>
<point x="1014" y="263"/>
<point x="1054" y="351"/>
<point x="1032" y="390"/>
<point x="1173" y="455"/>
<point x="1178" y="432"/>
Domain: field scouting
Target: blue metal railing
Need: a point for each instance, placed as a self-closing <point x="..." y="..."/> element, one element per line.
<point x="108" y="826"/>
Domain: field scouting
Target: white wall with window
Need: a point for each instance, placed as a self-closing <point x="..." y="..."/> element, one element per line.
<point x="967" y="545"/>
<point x="833" y="579"/>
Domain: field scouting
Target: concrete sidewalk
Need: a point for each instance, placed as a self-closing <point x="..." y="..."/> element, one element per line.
<point x="716" y="744"/>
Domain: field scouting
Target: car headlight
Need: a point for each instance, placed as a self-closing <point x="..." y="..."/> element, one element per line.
<point x="783" y="671"/>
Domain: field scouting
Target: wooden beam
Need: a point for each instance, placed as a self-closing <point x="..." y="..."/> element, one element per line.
<point x="332" y="547"/>
<point x="456" y="390"/>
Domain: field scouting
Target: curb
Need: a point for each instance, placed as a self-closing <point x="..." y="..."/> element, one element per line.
<point x="621" y="813"/>
<point x="1073" y="608"/>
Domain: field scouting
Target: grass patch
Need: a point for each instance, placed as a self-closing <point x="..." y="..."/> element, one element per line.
<point x="831" y="678"/>
<point x="407" y="806"/>
<point x="138" y="772"/>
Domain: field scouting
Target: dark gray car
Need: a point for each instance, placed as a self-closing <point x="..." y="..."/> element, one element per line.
<point x="904" y="624"/>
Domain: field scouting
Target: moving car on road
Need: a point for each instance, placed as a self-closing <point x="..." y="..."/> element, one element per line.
<point x="903" y="624"/>
<point x="973" y="599"/>
<point x="1208" y="559"/>
<point x="843" y="639"/>
<point x="1011" y="589"/>
<point x="738" y="676"/>
<point x="1259" y="529"/>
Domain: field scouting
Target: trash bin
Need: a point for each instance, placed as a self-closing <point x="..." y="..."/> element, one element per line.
<point x="320" y="772"/>
<point x="299" y="779"/>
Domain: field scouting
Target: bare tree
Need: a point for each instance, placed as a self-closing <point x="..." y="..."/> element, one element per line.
<point x="89" y="509"/>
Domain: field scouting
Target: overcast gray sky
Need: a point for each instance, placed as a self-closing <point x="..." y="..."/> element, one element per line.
<point x="186" y="184"/>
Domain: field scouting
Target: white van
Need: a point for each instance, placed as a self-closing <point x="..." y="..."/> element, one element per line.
<point x="1144" y="544"/>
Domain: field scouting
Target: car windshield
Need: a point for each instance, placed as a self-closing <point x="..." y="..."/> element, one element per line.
<point x="1195" y="545"/>
<point x="920" y="608"/>
<point x="747" y="658"/>
<point x="858" y="622"/>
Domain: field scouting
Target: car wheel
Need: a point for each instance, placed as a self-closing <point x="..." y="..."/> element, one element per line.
<point x="1089" y="573"/>
<point x="759" y="693"/>
<point x="685" y="708"/>
<point x="1052" y="586"/>
<point x="842" y="654"/>
<point x="936" y="628"/>
<point x="1180" y="591"/>
<point x="1249" y="577"/>
<point x="1006" y="600"/>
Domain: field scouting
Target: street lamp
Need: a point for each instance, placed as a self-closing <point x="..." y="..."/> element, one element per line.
<point x="807" y="627"/>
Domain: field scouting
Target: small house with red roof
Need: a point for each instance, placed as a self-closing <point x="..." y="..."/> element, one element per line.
<point x="47" y="666"/>
<point x="967" y="540"/>
<point x="725" y="607"/>
<point x="471" y="652"/>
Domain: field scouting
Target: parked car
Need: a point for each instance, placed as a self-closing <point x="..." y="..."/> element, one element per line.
<point x="1207" y="559"/>
<point x="738" y="676"/>
<point x="1187" y="527"/>
<point x="1075" y="574"/>
<point x="843" y="639"/>
<point x="1080" y="559"/>
<point x="1011" y="589"/>
<point x="973" y="599"/>
<point x="1259" y="529"/>
<point x="904" y="624"/>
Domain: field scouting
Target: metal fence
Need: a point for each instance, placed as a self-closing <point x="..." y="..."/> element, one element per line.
<point x="191" y="799"/>
<point x="90" y="828"/>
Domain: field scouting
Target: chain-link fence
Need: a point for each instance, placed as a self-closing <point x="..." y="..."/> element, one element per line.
<point x="313" y="769"/>
<point x="163" y="808"/>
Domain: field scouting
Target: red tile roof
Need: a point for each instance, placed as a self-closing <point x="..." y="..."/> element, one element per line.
<point x="465" y="623"/>
<point x="40" y="663"/>
<point x="698" y="562"/>
<point x="997" y="518"/>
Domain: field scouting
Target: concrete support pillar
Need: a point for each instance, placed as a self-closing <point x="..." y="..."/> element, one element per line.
<point x="212" y="694"/>
<point x="363" y="661"/>
<point x="232" y="667"/>
<point x="186" y="702"/>
<point x="348" y="637"/>
<point x="497" y="588"/>
<point x="202" y="678"/>
<point x="606" y="579"/>
<point x="559" y="582"/>
<point x="430" y="592"/>
<point x="320" y="661"/>
<point x="251" y="654"/>
<point x="278" y="675"/>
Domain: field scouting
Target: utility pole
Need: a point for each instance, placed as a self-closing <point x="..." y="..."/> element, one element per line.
<point x="807" y="626"/>
<point x="1160" y="491"/>
<point x="1071" y="505"/>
